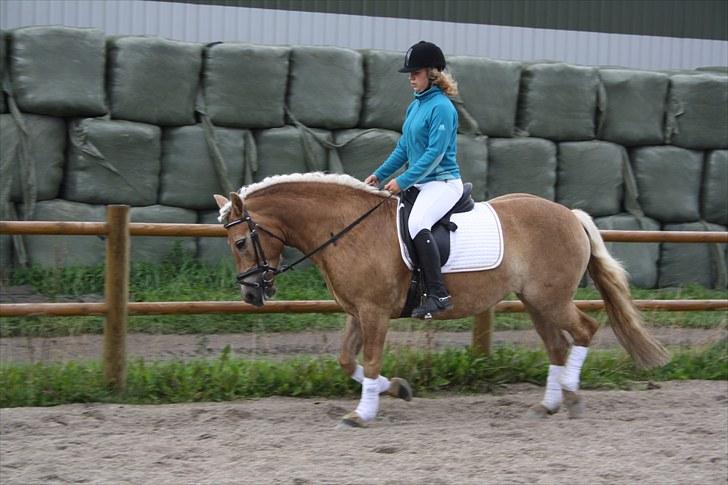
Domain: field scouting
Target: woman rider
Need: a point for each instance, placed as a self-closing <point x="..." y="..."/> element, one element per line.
<point x="428" y="144"/>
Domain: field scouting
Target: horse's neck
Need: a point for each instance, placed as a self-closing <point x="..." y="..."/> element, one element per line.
<point x="310" y="218"/>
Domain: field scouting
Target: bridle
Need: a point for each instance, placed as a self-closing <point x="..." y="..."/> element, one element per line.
<point x="261" y="261"/>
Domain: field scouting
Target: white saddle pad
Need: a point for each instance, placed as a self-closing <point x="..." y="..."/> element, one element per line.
<point x="476" y="245"/>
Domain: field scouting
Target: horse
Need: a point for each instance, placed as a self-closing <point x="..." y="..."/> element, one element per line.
<point x="348" y="230"/>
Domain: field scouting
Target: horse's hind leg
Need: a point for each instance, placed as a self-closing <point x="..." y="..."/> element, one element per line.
<point x="564" y="372"/>
<point x="352" y="343"/>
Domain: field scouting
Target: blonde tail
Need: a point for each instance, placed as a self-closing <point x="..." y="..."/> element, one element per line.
<point x="611" y="280"/>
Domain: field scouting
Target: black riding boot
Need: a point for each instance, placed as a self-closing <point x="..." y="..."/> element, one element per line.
<point x="429" y="257"/>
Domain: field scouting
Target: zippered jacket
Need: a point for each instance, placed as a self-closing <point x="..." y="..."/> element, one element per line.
<point x="428" y="142"/>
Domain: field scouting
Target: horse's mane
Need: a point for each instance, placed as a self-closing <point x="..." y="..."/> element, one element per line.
<point x="338" y="179"/>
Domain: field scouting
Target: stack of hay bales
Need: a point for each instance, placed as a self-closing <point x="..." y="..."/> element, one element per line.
<point x="162" y="125"/>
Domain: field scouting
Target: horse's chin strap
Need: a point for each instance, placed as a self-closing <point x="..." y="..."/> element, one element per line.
<point x="261" y="261"/>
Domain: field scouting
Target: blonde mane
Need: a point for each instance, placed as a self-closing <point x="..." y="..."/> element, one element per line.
<point x="338" y="179"/>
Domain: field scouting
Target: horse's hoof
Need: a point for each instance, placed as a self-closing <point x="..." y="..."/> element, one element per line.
<point x="539" y="411"/>
<point x="351" y="420"/>
<point x="574" y="404"/>
<point x="400" y="388"/>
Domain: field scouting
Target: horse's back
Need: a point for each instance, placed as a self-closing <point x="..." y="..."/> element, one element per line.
<point x="540" y="234"/>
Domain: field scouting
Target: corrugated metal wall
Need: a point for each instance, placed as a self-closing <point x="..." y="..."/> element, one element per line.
<point x="208" y="23"/>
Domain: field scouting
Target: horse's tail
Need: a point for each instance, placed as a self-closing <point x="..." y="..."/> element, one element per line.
<point x="611" y="280"/>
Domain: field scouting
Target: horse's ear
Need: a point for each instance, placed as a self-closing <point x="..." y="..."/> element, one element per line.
<point x="221" y="201"/>
<point x="237" y="204"/>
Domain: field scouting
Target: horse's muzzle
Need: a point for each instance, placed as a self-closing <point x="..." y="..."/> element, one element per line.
<point x="257" y="296"/>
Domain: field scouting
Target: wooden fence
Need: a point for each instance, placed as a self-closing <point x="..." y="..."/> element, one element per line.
<point x="118" y="231"/>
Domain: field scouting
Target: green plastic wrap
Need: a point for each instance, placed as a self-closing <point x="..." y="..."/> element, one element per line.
<point x="112" y="162"/>
<point x="58" y="71"/>
<point x="153" y="80"/>
<point x="521" y="165"/>
<point x="590" y="177"/>
<point x="668" y="180"/>
<point x="245" y="85"/>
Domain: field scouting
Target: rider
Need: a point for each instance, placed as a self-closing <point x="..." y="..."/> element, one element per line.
<point x="428" y="143"/>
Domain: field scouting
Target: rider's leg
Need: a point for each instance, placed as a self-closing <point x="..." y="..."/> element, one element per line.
<point x="433" y="202"/>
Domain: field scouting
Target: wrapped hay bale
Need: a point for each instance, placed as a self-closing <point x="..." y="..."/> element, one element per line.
<point x="291" y="150"/>
<point x="213" y="250"/>
<point x="58" y="71"/>
<point x="3" y="70"/>
<point x="41" y="169"/>
<point x="245" y="85"/>
<point x="590" y="176"/>
<point x="472" y="155"/>
<point x="362" y="151"/>
<point x="489" y="92"/>
<point x="634" y="106"/>
<point x="668" y="181"/>
<point x="60" y="251"/>
<point x="640" y="259"/>
<point x="521" y="165"/>
<point x="387" y="92"/>
<point x="153" y="80"/>
<point x="190" y="176"/>
<point x="715" y="188"/>
<point x="682" y="264"/>
<point x="113" y="162"/>
<point x="558" y="101"/>
<point x="153" y="249"/>
<point x="698" y="111"/>
<point x="326" y="86"/>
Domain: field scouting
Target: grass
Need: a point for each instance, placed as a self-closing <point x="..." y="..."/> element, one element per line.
<point x="181" y="278"/>
<point x="229" y="378"/>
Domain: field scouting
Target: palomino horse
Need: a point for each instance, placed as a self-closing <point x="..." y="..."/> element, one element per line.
<point x="547" y="250"/>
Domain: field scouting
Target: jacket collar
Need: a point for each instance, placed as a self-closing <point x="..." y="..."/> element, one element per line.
<point x="427" y="93"/>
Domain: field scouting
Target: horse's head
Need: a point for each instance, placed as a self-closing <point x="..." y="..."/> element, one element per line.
<point x="256" y="250"/>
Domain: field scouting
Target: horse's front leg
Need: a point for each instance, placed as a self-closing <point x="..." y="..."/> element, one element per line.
<point x="371" y="336"/>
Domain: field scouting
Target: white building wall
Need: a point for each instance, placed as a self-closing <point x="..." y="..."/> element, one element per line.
<point x="209" y="23"/>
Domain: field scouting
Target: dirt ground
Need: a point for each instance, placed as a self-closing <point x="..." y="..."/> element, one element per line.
<point x="674" y="434"/>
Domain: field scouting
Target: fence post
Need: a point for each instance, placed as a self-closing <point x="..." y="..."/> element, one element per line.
<point x="116" y="295"/>
<point x="483" y="331"/>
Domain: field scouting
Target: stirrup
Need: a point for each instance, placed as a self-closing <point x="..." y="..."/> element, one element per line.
<point x="432" y="305"/>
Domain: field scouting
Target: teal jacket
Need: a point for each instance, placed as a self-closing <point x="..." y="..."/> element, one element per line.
<point x="428" y="142"/>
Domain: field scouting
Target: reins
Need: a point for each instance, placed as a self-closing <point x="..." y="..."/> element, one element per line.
<point x="260" y="254"/>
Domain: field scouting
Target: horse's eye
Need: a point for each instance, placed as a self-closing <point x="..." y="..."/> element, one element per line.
<point x="240" y="244"/>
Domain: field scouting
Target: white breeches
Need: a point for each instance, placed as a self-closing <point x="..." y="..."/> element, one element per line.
<point x="433" y="202"/>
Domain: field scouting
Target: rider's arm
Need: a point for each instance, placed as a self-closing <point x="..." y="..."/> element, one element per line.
<point x="395" y="160"/>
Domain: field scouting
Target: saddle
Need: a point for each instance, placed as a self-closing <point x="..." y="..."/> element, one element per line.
<point x="440" y="232"/>
<point x="442" y="228"/>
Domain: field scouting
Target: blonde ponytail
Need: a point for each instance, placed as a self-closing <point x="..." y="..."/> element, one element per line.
<point x="444" y="80"/>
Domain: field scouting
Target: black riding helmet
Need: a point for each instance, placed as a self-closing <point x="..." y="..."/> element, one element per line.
<point x="421" y="55"/>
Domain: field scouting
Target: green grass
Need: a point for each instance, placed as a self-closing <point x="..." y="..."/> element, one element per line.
<point x="180" y="278"/>
<point x="229" y="378"/>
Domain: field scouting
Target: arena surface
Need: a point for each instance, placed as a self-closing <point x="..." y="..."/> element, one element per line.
<point x="674" y="434"/>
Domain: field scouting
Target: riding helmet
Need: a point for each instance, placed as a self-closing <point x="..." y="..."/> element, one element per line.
<point x="421" y="55"/>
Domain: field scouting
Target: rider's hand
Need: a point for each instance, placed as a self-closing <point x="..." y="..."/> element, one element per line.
<point x="392" y="186"/>
<point x="372" y="180"/>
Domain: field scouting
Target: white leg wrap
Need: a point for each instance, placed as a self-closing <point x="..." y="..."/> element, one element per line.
<point x="369" y="403"/>
<point x="570" y="375"/>
<point x="358" y="376"/>
<point x="552" y="397"/>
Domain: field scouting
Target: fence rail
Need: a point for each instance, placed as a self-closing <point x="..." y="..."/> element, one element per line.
<point x="116" y="307"/>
